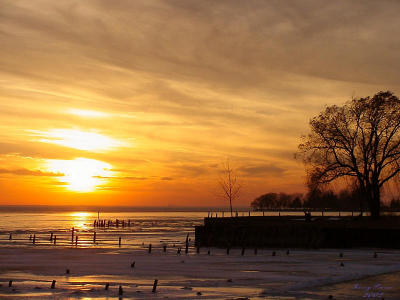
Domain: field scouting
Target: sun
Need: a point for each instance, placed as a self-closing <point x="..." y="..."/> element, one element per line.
<point x="81" y="174"/>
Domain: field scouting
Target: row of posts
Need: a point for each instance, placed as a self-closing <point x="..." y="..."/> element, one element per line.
<point x="211" y="214"/>
<point x="110" y="223"/>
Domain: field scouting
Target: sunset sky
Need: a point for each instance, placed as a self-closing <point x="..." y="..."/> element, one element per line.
<point x="140" y="102"/>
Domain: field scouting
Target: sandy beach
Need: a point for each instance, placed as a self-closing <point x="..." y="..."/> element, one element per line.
<point x="303" y="274"/>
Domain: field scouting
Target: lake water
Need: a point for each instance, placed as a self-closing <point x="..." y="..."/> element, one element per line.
<point x="156" y="227"/>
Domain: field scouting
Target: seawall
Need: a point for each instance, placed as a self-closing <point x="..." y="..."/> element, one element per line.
<point x="296" y="232"/>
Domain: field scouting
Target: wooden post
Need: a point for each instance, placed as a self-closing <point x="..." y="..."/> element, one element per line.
<point x="187" y="244"/>
<point x="149" y="248"/>
<point x="94" y="237"/>
<point x="133" y="264"/>
<point x="339" y="213"/>
<point x="53" y="284"/>
<point x="243" y="249"/>
<point x="209" y="252"/>
<point x="76" y="240"/>
<point x="178" y="251"/>
<point x="228" y="250"/>
<point x="67" y="271"/>
<point x="51" y="236"/>
<point x="10" y="283"/>
<point x="119" y="242"/>
<point x="55" y="239"/>
<point x="107" y="286"/>
<point x="165" y="248"/>
<point x="154" y="285"/>
<point x="72" y="235"/>
<point x="249" y="213"/>
<point x="34" y="239"/>
<point x="120" y="291"/>
<point x="352" y="213"/>
<point x="10" y="237"/>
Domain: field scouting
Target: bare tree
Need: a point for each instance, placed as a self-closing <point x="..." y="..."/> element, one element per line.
<point x="230" y="185"/>
<point x="360" y="139"/>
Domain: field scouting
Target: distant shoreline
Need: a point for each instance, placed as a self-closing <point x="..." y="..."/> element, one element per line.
<point x="91" y="208"/>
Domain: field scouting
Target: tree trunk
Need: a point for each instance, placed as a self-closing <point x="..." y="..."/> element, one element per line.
<point x="375" y="202"/>
<point x="230" y="204"/>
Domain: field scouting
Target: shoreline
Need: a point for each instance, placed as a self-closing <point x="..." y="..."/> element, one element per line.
<point x="307" y="274"/>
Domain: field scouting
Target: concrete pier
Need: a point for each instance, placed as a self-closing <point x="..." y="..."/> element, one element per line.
<point x="296" y="232"/>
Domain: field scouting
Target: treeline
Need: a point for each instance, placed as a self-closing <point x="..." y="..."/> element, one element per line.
<point x="317" y="199"/>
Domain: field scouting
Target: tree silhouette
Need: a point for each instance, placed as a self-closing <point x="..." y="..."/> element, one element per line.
<point x="229" y="184"/>
<point x="360" y="139"/>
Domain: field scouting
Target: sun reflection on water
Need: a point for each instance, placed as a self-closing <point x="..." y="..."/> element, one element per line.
<point x="80" y="220"/>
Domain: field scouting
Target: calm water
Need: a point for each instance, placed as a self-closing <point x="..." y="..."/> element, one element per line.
<point x="157" y="228"/>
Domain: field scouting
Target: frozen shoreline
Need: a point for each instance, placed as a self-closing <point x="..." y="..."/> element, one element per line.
<point x="215" y="276"/>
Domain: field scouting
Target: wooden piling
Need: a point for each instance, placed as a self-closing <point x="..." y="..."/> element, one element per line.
<point x="72" y="234"/>
<point x="10" y="283"/>
<point x="120" y="291"/>
<point x="228" y="250"/>
<point x="154" y="285"/>
<point x="119" y="241"/>
<point x="10" y="237"/>
<point x="51" y="236"/>
<point x="55" y="239"/>
<point x="149" y="248"/>
<point x="107" y="286"/>
<point x="133" y="264"/>
<point x="187" y="244"/>
<point x="165" y="248"/>
<point x="34" y="239"/>
<point x="67" y="271"/>
<point x="243" y="250"/>
<point x="76" y="240"/>
<point x="53" y="284"/>
<point x="209" y="252"/>
<point x="94" y="237"/>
